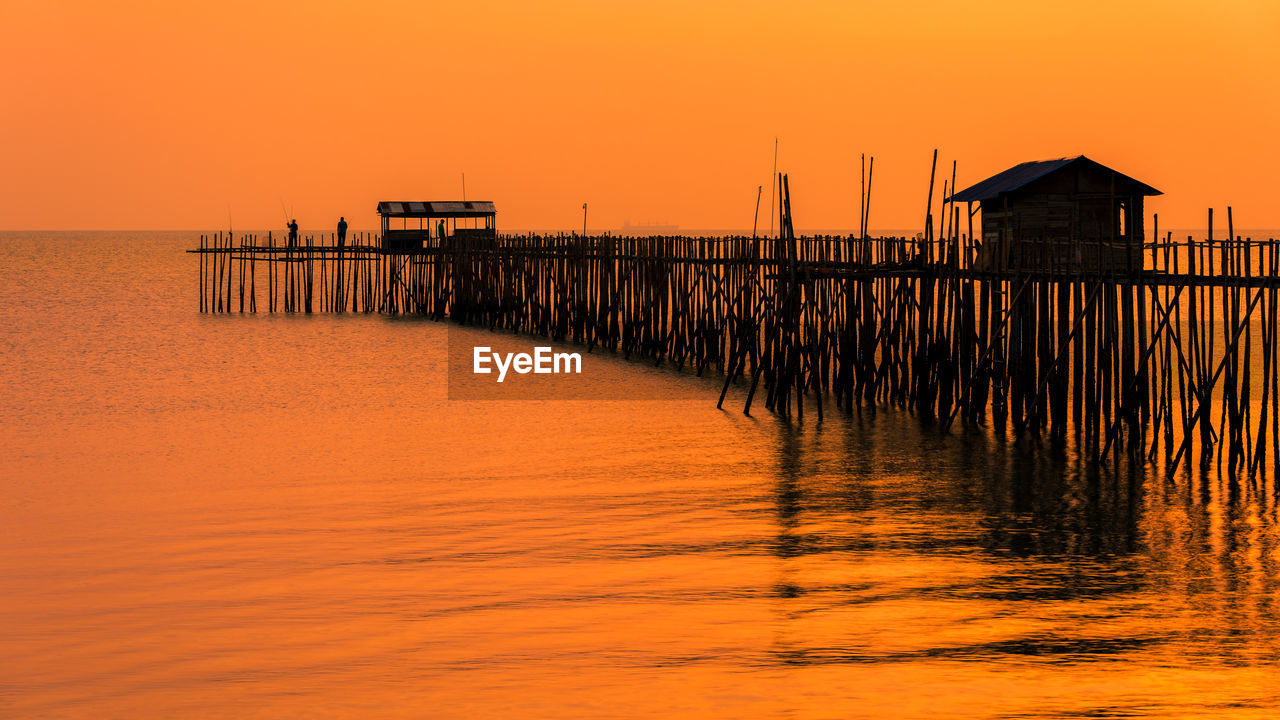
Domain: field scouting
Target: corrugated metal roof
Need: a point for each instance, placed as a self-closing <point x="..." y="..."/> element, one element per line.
<point x="437" y="208"/>
<point x="1025" y="173"/>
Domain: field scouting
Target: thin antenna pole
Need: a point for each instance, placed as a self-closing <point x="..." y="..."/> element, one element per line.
<point x="866" y="214"/>
<point x="944" y="201"/>
<point x="862" y="199"/>
<point x="584" y="219"/>
<point x="928" y="206"/>
<point x="756" y="221"/>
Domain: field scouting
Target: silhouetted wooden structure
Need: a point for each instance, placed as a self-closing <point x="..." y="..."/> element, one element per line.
<point x="1067" y="214"/>
<point x="1171" y="355"/>
<point x="471" y="219"/>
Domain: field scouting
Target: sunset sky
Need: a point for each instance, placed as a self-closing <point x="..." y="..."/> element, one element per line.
<point x="162" y="115"/>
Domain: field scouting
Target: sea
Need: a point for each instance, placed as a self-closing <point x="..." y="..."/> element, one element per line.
<point x="241" y="516"/>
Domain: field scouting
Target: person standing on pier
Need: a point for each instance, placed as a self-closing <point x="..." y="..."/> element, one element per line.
<point x="342" y="231"/>
<point x="293" y="233"/>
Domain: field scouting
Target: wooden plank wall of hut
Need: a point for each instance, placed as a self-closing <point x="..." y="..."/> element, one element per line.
<point x="1174" y="362"/>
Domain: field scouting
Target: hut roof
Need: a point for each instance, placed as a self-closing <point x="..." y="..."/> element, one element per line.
<point x="437" y="209"/>
<point x="1020" y="176"/>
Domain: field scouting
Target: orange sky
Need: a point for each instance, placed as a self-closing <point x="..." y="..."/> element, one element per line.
<point x="160" y="115"/>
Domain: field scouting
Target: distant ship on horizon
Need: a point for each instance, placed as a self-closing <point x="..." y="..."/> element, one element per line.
<point x="641" y="230"/>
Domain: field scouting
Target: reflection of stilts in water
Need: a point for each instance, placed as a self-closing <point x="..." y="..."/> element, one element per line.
<point x="1004" y="523"/>
<point x="788" y="496"/>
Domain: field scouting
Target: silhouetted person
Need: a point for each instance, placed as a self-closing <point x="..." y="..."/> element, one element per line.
<point x="342" y="231"/>
<point x="293" y="233"/>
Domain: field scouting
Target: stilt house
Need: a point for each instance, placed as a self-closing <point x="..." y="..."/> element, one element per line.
<point x="406" y="226"/>
<point x="1066" y="215"/>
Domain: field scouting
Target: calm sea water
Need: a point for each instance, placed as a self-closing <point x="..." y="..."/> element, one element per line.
<point x="267" y="516"/>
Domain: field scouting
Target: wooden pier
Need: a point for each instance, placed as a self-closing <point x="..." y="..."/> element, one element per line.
<point x="1171" y="360"/>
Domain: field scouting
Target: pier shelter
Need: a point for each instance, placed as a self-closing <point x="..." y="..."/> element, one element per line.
<point x="1066" y="215"/>
<point x="407" y="226"/>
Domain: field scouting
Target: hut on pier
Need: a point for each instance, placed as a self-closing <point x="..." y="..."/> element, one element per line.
<point x="407" y="226"/>
<point x="1065" y="215"/>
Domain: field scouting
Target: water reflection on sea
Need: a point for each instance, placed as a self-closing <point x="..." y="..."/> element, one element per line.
<point x="225" y="516"/>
